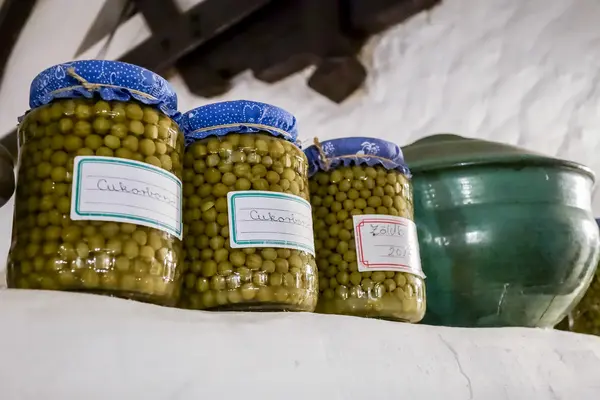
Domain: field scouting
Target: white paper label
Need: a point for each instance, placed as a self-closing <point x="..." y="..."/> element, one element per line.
<point x="268" y="219"/>
<point x="386" y="243"/>
<point x="119" y="190"/>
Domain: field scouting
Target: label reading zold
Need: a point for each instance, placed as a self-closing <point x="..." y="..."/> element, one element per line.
<point x="386" y="243"/>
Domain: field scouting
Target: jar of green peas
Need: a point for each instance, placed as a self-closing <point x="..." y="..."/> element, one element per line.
<point x="365" y="238"/>
<point x="248" y="226"/>
<point x="585" y="317"/>
<point x="99" y="191"/>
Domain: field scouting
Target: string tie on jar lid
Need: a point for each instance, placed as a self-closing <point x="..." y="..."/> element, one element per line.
<point x="328" y="154"/>
<point x="95" y="86"/>
<point x="326" y="161"/>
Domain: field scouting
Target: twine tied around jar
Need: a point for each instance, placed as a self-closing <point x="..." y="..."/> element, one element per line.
<point x="267" y="128"/>
<point x="326" y="161"/>
<point x="95" y="86"/>
<point x="89" y="86"/>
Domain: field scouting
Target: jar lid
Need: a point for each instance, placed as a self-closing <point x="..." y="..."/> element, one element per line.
<point x="449" y="151"/>
<point x="239" y="116"/>
<point x="354" y="151"/>
<point x="111" y="80"/>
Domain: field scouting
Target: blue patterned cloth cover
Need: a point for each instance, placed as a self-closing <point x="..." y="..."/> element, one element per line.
<point x="118" y="81"/>
<point x="356" y="151"/>
<point x="240" y="116"/>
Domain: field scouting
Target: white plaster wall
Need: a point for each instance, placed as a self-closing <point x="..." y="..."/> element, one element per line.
<point x="524" y="72"/>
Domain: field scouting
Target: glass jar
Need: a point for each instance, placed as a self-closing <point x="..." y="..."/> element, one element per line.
<point x="365" y="237"/>
<point x="98" y="198"/>
<point x="585" y="317"/>
<point x="248" y="227"/>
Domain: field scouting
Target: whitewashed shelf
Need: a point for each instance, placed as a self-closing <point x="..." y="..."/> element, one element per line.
<point x="73" y="346"/>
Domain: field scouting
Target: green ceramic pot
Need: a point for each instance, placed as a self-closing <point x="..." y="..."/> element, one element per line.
<point x="507" y="237"/>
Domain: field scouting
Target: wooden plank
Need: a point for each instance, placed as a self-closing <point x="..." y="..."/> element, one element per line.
<point x="197" y="26"/>
<point x="373" y="16"/>
<point x="13" y="17"/>
<point x="159" y="14"/>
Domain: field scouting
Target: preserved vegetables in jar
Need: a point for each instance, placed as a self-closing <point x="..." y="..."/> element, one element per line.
<point x="365" y="238"/>
<point x="248" y="226"/>
<point x="585" y="317"/>
<point x="99" y="192"/>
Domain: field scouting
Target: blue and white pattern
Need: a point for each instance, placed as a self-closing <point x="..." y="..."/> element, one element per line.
<point x="240" y="116"/>
<point x="119" y="81"/>
<point x="356" y="151"/>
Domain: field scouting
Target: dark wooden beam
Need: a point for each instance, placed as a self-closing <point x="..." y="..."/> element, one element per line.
<point x="279" y="40"/>
<point x="186" y="32"/>
<point x="112" y="14"/>
<point x="374" y="16"/>
<point x="13" y="17"/>
<point x="159" y="14"/>
<point x="10" y="142"/>
<point x="338" y="77"/>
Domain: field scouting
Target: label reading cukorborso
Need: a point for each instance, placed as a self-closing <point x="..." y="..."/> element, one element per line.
<point x="386" y="243"/>
<point x="267" y="219"/>
<point x="119" y="190"/>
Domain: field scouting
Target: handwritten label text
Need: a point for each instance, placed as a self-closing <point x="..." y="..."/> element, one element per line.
<point x="113" y="189"/>
<point x="268" y="219"/>
<point x="386" y="243"/>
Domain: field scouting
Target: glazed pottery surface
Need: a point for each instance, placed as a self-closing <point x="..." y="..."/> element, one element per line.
<point x="507" y="237"/>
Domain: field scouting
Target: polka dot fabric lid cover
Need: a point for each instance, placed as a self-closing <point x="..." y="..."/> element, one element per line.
<point x="355" y="151"/>
<point x="110" y="80"/>
<point x="240" y="116"/>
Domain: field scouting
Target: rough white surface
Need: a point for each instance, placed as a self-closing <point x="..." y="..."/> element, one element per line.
<point x="61" y="346"/>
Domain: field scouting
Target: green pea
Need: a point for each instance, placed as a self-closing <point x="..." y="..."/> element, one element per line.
<point x="228" y="179"/>
<point x="93" y="142"/>
<point x="123" y="153"/>
<point x="134" y="112"/>
<point x="166" y="162"/>
<point x="65" y="125"/>
<point x="259" y="170"/>
<point x="150" y="115"/>
<point x="237" y="258"/>
<point x="243" y="184"/>
<point x="104" y="152"/>
<point x="83" y="111"/>
<point x="112" y="142"/>
<point x="131" y="143"/>
<point x="147" y="147"/>
<point x="217" y="282"/>
<point x="154" y="161"/>
<point x="58" y="174"/>
<point x="137" y="128"/>
<point x="82" y="128"/>
<point x="201" y="285"/>
<point x="146" y="252"/>
<point x="282" y="265"/>
<point x="101" y="125"/>
<point x="131" y="249"/>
